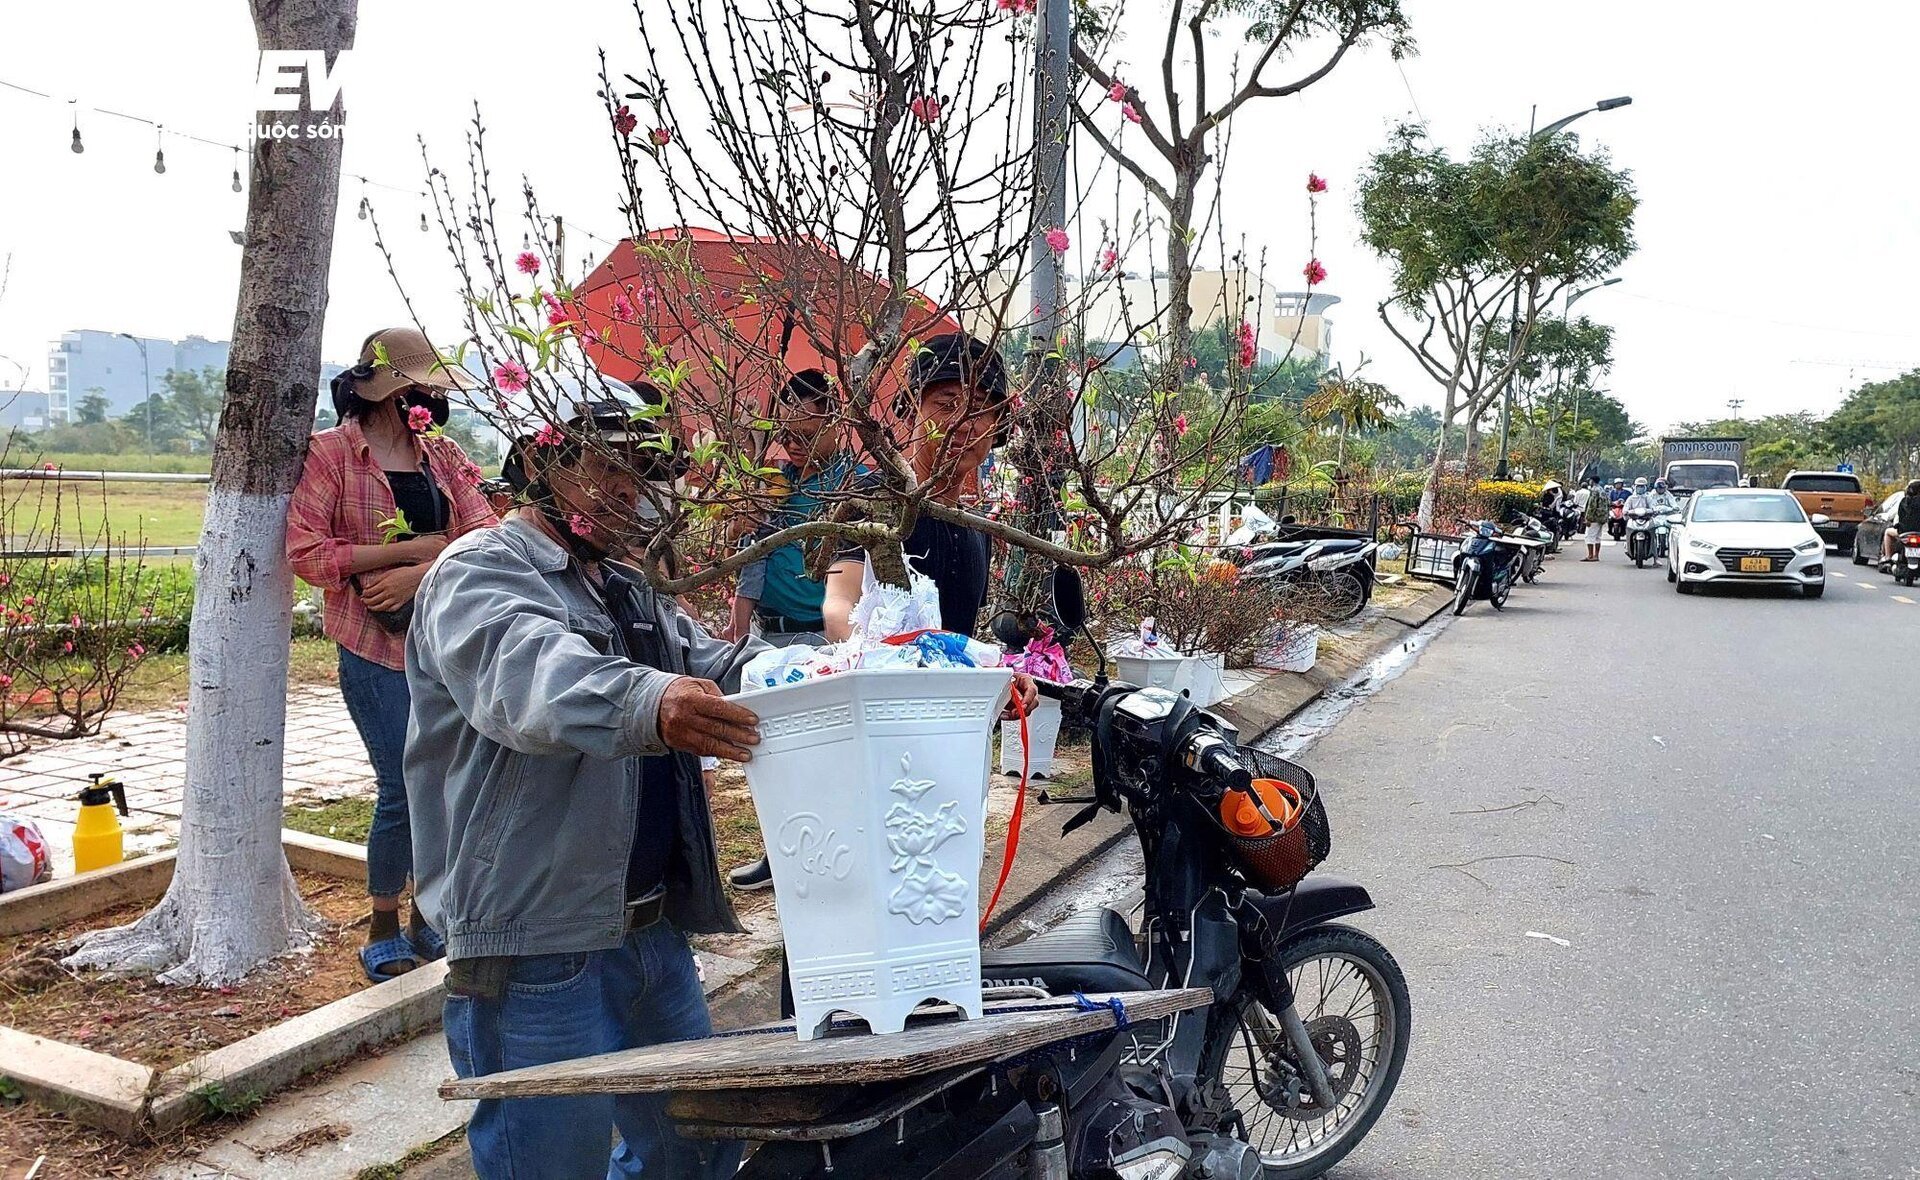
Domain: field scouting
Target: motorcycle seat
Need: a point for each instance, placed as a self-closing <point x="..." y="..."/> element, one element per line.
<point x="1090" y="951"/>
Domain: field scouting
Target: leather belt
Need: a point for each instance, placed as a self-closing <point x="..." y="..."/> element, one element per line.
<point x="782" y="625"/>
<point x="645" y="911"/>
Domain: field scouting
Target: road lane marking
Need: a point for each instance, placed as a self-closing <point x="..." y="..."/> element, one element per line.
<point x="1902" y="598"/>
<point x="1838" y="574"/>
<point x="1866" y="585"/>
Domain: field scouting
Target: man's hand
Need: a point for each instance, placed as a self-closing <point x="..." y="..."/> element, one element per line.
<point x="694" y="717"/>
<point x="391" y="588"/>
<point x="1025" y="692"/>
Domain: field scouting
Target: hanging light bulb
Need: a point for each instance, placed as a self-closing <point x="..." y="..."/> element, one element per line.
<point x="363" y="199"/>
<point x="423" y="223"/>
<point x="78" y="147"/>
<point x="159" y="154"/>
<point x="236" y="170"/>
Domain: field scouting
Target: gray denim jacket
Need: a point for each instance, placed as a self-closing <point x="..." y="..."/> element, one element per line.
<point x="522" y="762"/>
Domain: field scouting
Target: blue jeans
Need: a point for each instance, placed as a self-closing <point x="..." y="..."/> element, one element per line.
<point x="378" y="702"/>
<point x="559" y="1007"/>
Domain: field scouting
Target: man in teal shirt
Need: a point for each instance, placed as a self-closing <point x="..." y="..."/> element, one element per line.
<point x="775" y="596"/>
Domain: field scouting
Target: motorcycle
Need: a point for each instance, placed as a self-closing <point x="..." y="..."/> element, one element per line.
<point x="1533" y="558"/>
<point x="1341" y="567"/>
<point x="1663" y="525"/>
<point x="1904" y="565"/>
<point x="1640" y="539"/>
<point x="1279" y="1078"/>
<point x="1569" y="521"/>
<point x="1488" y="563"/>
<point x="1617" y="519"/>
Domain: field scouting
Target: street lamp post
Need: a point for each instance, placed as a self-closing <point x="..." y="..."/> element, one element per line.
<point x="1559" y="373"/>
<point x="1513" y="327"/>
<point x="146" y="378"/>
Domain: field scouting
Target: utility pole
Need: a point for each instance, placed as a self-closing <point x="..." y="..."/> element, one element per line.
<point x="1048" y="411"/>
<point x="146" y="376"/>
<point x="1734" y="404"/>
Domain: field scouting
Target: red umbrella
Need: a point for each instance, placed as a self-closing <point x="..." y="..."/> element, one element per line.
<point x="739" y="314"/>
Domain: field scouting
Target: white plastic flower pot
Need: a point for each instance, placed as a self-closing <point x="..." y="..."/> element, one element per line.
<point x="1155" y="671"/>
<point x="871" y="788"/>
<point x="1043" y="730"/>
<point x="1298" y="651"/>
<point x="1206" y="678"/>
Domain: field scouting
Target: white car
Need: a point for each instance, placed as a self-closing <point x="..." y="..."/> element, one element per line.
<point x="1747" y="535"/>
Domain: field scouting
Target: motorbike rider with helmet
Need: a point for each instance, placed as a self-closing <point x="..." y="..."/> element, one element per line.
<point x="1906" y="519"/>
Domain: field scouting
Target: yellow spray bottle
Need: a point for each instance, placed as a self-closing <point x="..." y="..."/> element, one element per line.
<point x="97" y="838"/>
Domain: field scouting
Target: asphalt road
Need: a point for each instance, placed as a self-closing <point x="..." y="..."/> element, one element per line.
<point x="1712" y="799"/>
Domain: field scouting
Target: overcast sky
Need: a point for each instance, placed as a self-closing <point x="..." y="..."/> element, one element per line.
<point x="1778" y="230"/>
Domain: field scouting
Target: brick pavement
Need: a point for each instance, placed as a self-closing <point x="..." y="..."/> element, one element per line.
<point x="147" y="752"/>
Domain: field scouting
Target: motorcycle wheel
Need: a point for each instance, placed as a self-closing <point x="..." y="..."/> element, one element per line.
<point x="1499" y="589"/>
<point x="1353" y="998"/>
<point x="1463" y="588"/>
<point x="1346" y="597"/>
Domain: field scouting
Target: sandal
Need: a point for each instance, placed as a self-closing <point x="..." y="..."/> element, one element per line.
<point x="426" y="942"/>
<point x="388" y="951"/>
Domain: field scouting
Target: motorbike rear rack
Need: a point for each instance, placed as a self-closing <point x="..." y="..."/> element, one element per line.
<point x="1431" y="556"/>
<point x="937" y="1042"/>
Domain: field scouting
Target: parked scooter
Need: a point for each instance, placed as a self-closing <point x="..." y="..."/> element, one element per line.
<point x="1279" y="1079"/>
<point x="1533" y="558"/>
<point x="1341" y="568"/>
<point x="1487" y="567"/>
<point x="1640" y="538"/>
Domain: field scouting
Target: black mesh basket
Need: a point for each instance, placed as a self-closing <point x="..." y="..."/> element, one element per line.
<point x="1279" y="861"/>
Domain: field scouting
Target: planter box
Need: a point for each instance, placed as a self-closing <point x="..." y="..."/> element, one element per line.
<point x="871" y="789"/>
<point x="1207" y="679"/>
<point x="136" y="1101"/>
<point x="1043" y="730"/>
<point x="1159" y="671"/>
<point x="1297" y="652"/>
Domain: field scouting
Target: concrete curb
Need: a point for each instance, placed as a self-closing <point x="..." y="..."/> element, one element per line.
<point x="130" y="1099"/>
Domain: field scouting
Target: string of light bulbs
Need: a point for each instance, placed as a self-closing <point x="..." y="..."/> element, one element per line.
<point x="77" y="144"/>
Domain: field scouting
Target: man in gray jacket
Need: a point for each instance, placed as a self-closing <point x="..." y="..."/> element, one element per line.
<point x="562" y="840"/>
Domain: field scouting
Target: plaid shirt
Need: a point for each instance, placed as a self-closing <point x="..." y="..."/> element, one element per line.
<point x="340" y="501"/>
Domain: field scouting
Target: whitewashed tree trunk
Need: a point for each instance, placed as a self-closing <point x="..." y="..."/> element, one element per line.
<point x="232" y="904"/>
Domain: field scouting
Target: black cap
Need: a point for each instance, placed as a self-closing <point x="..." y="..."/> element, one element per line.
<point x="805" y="386"/>
<point x="609" y="422"/>
<point x="959" y="357"/>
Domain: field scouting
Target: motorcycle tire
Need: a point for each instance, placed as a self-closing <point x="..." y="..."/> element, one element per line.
<point x="1463" y="587"/>
<point x="1346" y="596"/>
<point x="1640" y="561"/>
<point x="1248" y="1040"/>
<point x="1498" y="591"/>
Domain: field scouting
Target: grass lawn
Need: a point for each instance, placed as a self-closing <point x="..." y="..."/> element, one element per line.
<point x="343" y="819"/>
<point x="161" y="679"/>
<point x="133" y="514"/>
<point x="75" y="461"/>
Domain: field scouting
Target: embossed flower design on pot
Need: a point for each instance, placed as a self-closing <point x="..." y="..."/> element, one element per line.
<point x="914" y="835"/>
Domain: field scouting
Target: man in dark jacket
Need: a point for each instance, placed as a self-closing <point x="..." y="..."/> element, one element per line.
<point x="1906" y="519"/>
<point x="562" y="839"/>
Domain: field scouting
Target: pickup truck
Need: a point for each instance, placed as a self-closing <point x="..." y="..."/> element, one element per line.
<point x="1835" y="495"/>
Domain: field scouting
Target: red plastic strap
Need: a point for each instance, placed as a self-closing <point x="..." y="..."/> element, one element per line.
<point x="1019" y="807"/>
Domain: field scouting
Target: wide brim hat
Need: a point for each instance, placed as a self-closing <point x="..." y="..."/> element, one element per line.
<point x="409" y="361"/>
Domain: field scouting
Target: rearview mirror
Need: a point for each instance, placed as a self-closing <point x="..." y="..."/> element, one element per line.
<point x="1069" y="598"/>
<point x="1818" y="519"/>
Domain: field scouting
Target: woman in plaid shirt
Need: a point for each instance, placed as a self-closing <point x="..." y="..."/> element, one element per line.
<point x="384" y="463"/>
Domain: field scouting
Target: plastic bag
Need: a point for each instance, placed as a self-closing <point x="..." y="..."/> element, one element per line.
<point x="789" y="665"/>
<point x="886" y="611"/>
<point x="24" y="857"/>
<point x="1043" y="658"/>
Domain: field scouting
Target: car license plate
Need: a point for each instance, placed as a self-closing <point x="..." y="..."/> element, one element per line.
<point x="1913" y="553"/>
<point x="1756" y="565"/>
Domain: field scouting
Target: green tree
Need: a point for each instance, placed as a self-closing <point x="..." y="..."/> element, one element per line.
<point x="93" y="406"/>
<point x="1470" y="241"/>
<point x="1353" y="404"/>
<point x="196" y="399"/>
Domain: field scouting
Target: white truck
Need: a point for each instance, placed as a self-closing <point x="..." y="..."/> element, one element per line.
<point x="1695" y="464"/>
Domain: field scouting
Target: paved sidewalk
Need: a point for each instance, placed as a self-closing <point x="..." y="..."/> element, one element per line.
<point x="147" y="752"/>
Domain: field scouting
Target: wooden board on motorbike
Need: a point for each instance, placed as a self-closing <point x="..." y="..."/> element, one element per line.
<point x="769" y="1057"/>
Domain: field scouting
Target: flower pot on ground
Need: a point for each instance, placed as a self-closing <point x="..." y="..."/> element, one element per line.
<point x="1297" y="650"/>
<point x="1206" y="680"/>
<point x="1163" y="669"/>
<point x="871" y="790"/>
<point x="1043" y="731"/>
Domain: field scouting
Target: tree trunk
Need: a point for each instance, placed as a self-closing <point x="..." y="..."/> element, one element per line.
<point x="1180" y="279"/>
<point x="232" y="903"/>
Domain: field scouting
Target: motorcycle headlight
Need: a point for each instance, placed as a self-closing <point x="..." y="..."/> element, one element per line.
<point x="1697" y="543"/>
<point x="1813" y="546"/>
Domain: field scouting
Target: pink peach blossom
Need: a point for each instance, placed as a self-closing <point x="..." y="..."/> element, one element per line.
<point x="528" y="263"/>
<point x="548" y="435"/>
<point x="1117" y="92"/>
<point x="1180" y="424"/>
<point x="510" y="376"/>
<point x="1316" y="274"/>
<point x="925" y="108"/>
<point x="1057" y="240"/>
<point x="1108" y="258"/>
<point x="623" y="120"/>
<point x="660" y="137"/>
<point x="419" y="419"/>
<point x="1315" y="184"/>
<point x="1132" y="113"/>
<point x="578" y="525"/>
